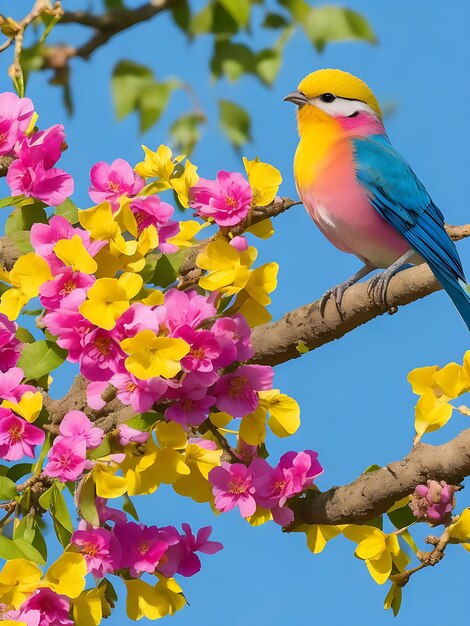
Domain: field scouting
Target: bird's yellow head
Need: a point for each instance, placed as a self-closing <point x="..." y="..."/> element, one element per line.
<point x="327" y="94"/>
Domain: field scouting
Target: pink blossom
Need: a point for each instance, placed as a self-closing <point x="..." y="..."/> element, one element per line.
<point x="69" y="326"/>
<point x="109" y="182"/>
<point x="137" y="317"/>
<point x="232" y="485"/>
<point x="204" y="349"/>
<point x="227" y="200"/>
<point x="45" y="236"/>
<point x="234" y="336"/>
<point x="101" y="356"/>
<point x="17" y="436"/>
<point x="10" y="387"/>
<point x="15" y="116"/>
<point x="191" y="407"/>
<point x="76" y="424"/>
<point x="44" y="607"/>
<point x="139" y="394"/>
<point x="66" y="459"/>
<point x="142" y="546"/>
<point x="183" y="307"/>
<point x="150" y="211"/>
<point x="44" y="146"/>
<point x="304" y="467"/>
<point x="53" y="292"/>
<point x="181" y="558"/>
<point x="240" y="243"/>
<point x="10" y="346"/>
<point x="433" y="501"/>
<point x="236" y="392"/>
<point x="131" y="435"/>
<point x="100" y="550"/>
<point x="52" y="186"/>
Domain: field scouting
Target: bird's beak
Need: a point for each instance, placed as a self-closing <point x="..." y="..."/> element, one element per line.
<point x="297" y="97"/>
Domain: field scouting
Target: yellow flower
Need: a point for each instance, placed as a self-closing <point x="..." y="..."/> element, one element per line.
<point x="253" y="427"/>
<point x="200" y="461"/>
<point x="29" y="272"/>
<point x="318" y="536"/>
<point x="377" y="549"/>
<point x="188" y="230"/>
<point x="182" y="184"/>
<point x="74" y="254"/>
<point x="18" y="579"/>
<point x="143" y="600"/>
<point x="108" y="298"/>
<point x="459" y="531"/>
<point x="157" y="164"/>
<point x="88" y="607"/>
<point x="66" y="576"/>
<point x="284" y="412"/>
<point x="431" y="413"/>
<point x="29" y="406"/>
<point x="108" y="485"/>
<point x="253" y="298"/>
<point x="151" y="356"/>
<point x="99" y="222"/>
<point x="264" y="181"/>
<point x="228" y="269"/>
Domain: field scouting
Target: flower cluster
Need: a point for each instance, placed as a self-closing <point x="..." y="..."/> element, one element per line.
<point x="32" y="174"/>
<point x="433" y="501"/>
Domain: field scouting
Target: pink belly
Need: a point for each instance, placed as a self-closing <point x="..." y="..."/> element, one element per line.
<point x="341" y="209"/>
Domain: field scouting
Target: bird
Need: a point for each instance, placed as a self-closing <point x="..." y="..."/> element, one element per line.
<point x="362" y="194"/>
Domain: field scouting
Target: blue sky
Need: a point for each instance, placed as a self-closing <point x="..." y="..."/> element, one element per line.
<point x="357" y="407"/>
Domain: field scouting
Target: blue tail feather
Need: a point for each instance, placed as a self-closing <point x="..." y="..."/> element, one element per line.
<point x="458" y="292"/>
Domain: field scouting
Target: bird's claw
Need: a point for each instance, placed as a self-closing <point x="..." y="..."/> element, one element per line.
<point x="335" y="293"/>
<point x="377" y="291"/>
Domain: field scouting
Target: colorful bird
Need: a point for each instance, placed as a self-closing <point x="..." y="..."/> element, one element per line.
<point x="361" y="192"/>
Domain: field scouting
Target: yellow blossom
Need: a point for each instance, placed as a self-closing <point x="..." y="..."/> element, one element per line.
<point x="29" y="406"/>
<point x="377" y="549"/>
<point x="157" y="164"/>
<point x="264" y="181"/>
<point x="200" y="461"/>
<point x="253" y="298"/>
<point x="188" y="230"/>
<point x="150" y="355"/>
<point x="108" y="298"/>
<point x="153" y="602"/>
<point x="99" y="222"/>
<point x="431" y="413"/>
<point x="74" y="254"/>
<point x="108" y="485"/>
<point x="66" y="576"/>
<point x="459" y="531"/>
<point x="18" y="579"/>
<point x="284" y="412"/>
<point x="29" y="272"/>
<point x="182" y="184"/>
<point x="318" y="535"/>
<point x="253" y="427"/>
<point x="88" y="607"/>
<point x="228" y="269"/>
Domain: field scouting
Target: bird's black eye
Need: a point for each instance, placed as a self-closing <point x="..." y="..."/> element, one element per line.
<point x="327" y="97"/>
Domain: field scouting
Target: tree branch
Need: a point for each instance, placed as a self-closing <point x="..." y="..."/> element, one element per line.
<point x="372" y="494"/>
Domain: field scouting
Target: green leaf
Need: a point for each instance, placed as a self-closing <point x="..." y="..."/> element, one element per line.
<point x="87" y="504"/>
<point x="24" y="335"/>
<point x="235" y="123"/>
<point x="268" y="64"/>
<point x="274" y="20"/>
<point x="102" y="450"/>
<point x="402" y="517"/>
<point x="18" y="225"/>
<point x="167" y="268"/>
<point x="19" y="470"/>
<point x="45" y="498"/>
<point x="7" y="489"/>
<point x="232" y="60"/>
<point x="114" y="4"/>
<point x="69" y="210"/>
<point x="214" y="18"/>
<point x="129" y="507"/>
<point x="239" y="9"/>
<point x="9" y="201"/>
<point x="144" y="421"/>
<point x="299" y="9"/>
<point x="19" y="549"/>
<point x="135" y="89"/>
<point x="331" y="23"/>
<point x="185" y="132"/>
<point x="181" y="14"/>
<point x="40" y="358"/>
<point x="59" y="509"/>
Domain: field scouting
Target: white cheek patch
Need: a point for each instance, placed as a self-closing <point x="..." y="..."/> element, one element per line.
<point x="341" y="106"/>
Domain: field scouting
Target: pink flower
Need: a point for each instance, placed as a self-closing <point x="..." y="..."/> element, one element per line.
<point x="240" y="243"/>
<point x="66" y="459"/>
<point x="15" y="116"/>
<point x="69" y="326"/>
<point x="204" y="349"/>
<point x="10" y="387"/>
<point x="109" y="182"/>
<point x="44" y="607"/>
<point x="150" y="211"/>
<point x="17" y="436"/>
<point x="181" y="558"/>
<point x="101" y="356"/>
<point x="304" y="467"/>
<point x="139" y="394"/>
<point x="191" y="407"/>
<point x="100" y="550"/>
<point x="142" y="547"/>
<point x="236" y="392"/>
<point x="433" y="501"/>
<point x="10" y="346"/>
<point x="183" y="307"/>
<point x="76" y="424"/>
<point x="51" y="186"/>
<point x="128" y="435"/>
<point x="227" y="199"/>
<point x="233" y="335"/>
<point x="137" y="317"/>
<point x="232" y="485"/>
<point x="44" y="146"/>
<point x="53" y="292"/>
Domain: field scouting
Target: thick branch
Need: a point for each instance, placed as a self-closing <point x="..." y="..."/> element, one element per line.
<point x="373" y="494"/>
<point x="277" y="342"/>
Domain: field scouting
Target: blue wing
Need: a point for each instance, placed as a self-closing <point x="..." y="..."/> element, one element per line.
<point x="402" y="200"/>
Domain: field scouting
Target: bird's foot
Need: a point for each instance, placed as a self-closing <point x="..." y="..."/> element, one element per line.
<point x="335" y="293"/>
<point x="377" y="290"/>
